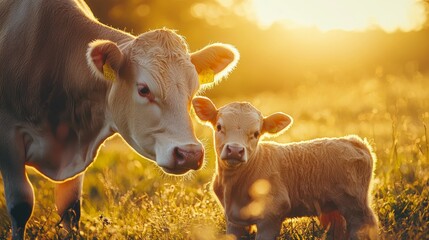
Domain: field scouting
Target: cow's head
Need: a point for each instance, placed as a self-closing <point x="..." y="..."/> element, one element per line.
<point x="154" y="80"/>
<point x="238" y="127"/>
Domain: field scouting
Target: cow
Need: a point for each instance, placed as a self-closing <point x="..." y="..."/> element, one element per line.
<point x="262" y="183"/>
<point x="69" y="82"/>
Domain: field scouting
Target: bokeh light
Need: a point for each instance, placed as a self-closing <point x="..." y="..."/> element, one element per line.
<point x="350" y="15"/>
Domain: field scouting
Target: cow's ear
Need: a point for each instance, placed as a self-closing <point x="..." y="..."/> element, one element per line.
<point x="276" y="123"/>
<point x="205" y="109"/>
<point x="105" y="59"/>
<point x="214" y="62"/>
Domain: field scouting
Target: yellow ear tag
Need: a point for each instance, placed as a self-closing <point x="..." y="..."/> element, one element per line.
<point x="206" y="76"/>
<point x="108" y="72"/>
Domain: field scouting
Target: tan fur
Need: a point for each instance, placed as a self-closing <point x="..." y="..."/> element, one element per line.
<point x="327" y="177"/>
<point x="224" y="55"/>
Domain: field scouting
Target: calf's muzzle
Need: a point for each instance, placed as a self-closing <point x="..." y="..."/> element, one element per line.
<point x="235" y="152"/>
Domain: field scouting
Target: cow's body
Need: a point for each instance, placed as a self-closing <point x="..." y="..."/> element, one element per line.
<point x="49" y="101"/>
<point x="263" y="183"/>
<point x="68" y="82"/>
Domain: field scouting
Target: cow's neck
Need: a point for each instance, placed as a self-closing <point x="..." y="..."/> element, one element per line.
<point x="94" y="146"/>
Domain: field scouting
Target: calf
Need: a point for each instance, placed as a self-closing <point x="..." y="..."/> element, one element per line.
<point x="68" y="82"/>
<point x="263" y="183"/>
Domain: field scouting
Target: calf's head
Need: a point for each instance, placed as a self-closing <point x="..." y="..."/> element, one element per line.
<point x="154" y="79"/>
<point x="238" y="128"/>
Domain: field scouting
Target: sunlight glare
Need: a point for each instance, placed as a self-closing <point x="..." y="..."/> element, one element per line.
<point x="349" y="15"/>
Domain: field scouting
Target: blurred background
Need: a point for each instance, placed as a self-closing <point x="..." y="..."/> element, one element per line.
<point x="284" y="43"/>
<point x="329" y="61"/>
<point x="337" y="67"/>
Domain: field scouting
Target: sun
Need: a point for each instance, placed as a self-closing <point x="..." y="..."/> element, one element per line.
<point x="349" y="15"/>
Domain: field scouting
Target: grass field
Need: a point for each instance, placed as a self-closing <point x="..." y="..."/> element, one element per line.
<point x="127" y="197"/>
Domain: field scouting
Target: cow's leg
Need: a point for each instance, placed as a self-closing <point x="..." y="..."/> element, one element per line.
<point x="68" y="201"/>
<point x="17" y="188"/>
<point x="19" y="197"/>
<point x="20" y="200"/>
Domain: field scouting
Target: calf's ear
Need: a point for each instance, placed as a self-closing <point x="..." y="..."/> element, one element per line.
<point x="276" y="123"/>
<point x="105" y="59"/>
<point x="205" y="109"/>
<point x="214" y="62"/>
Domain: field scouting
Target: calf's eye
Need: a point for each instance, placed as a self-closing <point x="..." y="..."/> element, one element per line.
<point x="256" y="134"/>
<point x="219" y="127"/>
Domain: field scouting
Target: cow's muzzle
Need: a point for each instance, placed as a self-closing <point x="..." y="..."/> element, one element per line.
<point x="188" y="157"/>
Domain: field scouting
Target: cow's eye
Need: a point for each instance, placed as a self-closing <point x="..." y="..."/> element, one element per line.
<point x="143" y="90"/>
<point x="256" y="134"/>
<point x="219" y="127"/>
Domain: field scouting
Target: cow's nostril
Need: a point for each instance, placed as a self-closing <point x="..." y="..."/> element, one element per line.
<point x="179" y="156"/>
<point x="189" y="156"/>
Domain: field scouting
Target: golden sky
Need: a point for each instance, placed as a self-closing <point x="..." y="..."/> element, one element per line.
<point x="325" y="15"/>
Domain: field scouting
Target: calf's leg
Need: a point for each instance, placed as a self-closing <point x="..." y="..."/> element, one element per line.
<point x="68" y="201"/>
<point x="363" y="225"/>
<point x="268" y="228"/>
<point x="335" y="223"/>
<point x="361" y="221"/>
<point x="237" y="230"/>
